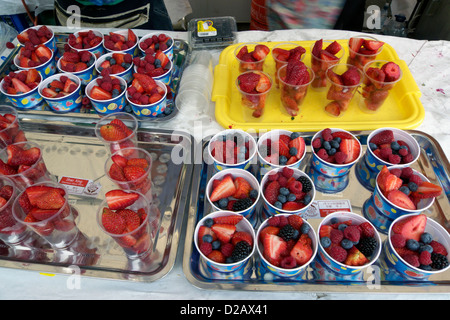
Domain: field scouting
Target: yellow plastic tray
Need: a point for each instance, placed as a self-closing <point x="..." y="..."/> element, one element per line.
<point x="402" y="109"/>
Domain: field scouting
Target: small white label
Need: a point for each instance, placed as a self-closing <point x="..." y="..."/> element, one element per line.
<point x="322" y="208"/>
<point x="80" y="187"/>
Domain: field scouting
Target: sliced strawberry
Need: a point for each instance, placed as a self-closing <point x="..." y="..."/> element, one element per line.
<point x="334" y="47"/>
<point x="20" y="86"/>
<point x="387" y="181"/>
<point x="351" y="148"/>
<point x="293" y="205"/>
<point x="317" y="48"/>
<point x="119" y="199"/>
<point x="224" y="232"/>
<point x="268" y="230"/>
<point x="131" y="36"/>
<point x="163" y="58"/>
<point x="145" y="81"/>
<point x="204" y="230"/>
<point x="231" y="219"/>
<point x="32" y="76"/>
<point x="302" y="251"/>
<point x="98" y="93"/>
<point x="263" y="84"/>
<point x="325" y="231"/>
<point x="49" y="93"/>
<point x="392" y="71"/>
<point x="271" y="191"/>
<point x="354" y="46"/>
<point x="242" y="236"/>
<point x="383" y="137"/>
<point x="260" y="52"/>
<point x="274" y="247"/>
<point x="355" y="258"/>
<point x="225" y="188"/>
<point x="43" y="52"/>
<point x="68" y="84"/>
<point x="372" y="44"/>
<point x="112" y="132"/>
<point x="116" y="172"/>
<point x="401" y="199"/>
<point x="216" y="256"/>
<point x="113" y="222"/>
<point x="51" y="200"/>
<point x="43" y="214"/>
<point x="300" y="145"/>
<point x="132" y="219"/>
<point x="427" y="190"/>
<point x="411" y="227"/>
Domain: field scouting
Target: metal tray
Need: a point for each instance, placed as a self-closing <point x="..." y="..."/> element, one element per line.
<point x="432" y="163"/>
<point x="181" y="53"/>
<point x="72" y="149"/>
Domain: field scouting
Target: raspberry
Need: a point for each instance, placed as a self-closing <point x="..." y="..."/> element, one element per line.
<point x="408" y="158"/>
<point x="227" y="249"/>
<point x="416" y="179"/>
<point x="322" y="154"/>
<point x="288" y="262"/>
<point x="425" y="258"/>
<point x="295" y="187"/>
<point x="438" y="248"/>
<point x="403" y="152"/>
<point x="412" y="259"/>
<point x="367" y="230"/>
<point x="287" y="172"/>
<point x="327" y="135"/>
<point x="295" y="221"/>
<point x="283" y="181"/>
<point x="394" y="159"/>
<point x="352" y="233"/>
<point x="338" y="253"/>
<point x="398" y="241"/>
<point x="336" y="236"/>
<point x="406" y="173"/>
<point x="206" y="248"/>
<point x="10" y="45"/>
<point x="385" y="153"/>
<point x="397" y="172"/>
<point x="274" y="221"/>
<point x="283" y="221"/>
<point x="273" y="176"/>
<point x="340" y="157"/>
<point x="317" y="143"/>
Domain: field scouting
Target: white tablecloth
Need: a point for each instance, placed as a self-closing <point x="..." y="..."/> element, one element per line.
<point x="429" y="63"/>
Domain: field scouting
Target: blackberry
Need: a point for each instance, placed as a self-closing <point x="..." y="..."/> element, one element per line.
<point x="438" y="261"/>
<point x="242" y="204"/>
<point x="241" y="250"/>
<point x="307" y="185"/>
<point x="367" y="246"/>
<point x="287" y="232"/>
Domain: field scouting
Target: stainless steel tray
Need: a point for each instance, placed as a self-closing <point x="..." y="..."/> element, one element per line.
<point x="380" y="279"/>
<point x="181" y="52"/>
<point x="72" y="149"/>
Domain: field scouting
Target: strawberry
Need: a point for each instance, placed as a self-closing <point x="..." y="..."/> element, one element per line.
<point x="387" y="181"/>
<point x="293" y="206"/>
<point x="112" y="132"/>
<point x="260" y="52"/>
<point x="42" y="214"/>
<point x="351" y="148"/>
<point x="300" y="145"/>
<point x="333" y="48"/>
<point x="216" y="256"/>
<point x="411" y="227"/>
<point x="43" y="52"/>
<point x="113" y="222"/>
<point x="119" y="160"/>
<point x="325" y="231"/>
<point x="133" y="173"/>
<point x="122" y="126"/>
<point x="116" y="172"/>
<point x="333" y="108"/>
<point x="25" y="203"/>
<point x="242" y="236"/>
<point x="247" y="81"/>
<point x="317" y="48"/>
<point x="372" y="45"/>
<point x="263" y="84"/>
<point x="20" y="86"/>
<point x="162" y="58"/>
<point x="139" y="162"/>
<point x="51" y="200"/>
<point x="274" y="247"/>
<point x="355" y="258"/>
<point x="302" y="250"/>
<point x="400" y="199"/>
<point x="119" y="199"/>
<point x="204" y="230"/>
<point x="225" y="188"/>
<point x="351" y="77"/>
<point x="224" y="232"/>
<point x="35" y="192"/>
<point x="231" y="219"/>
<point x="427" y="190"/>
<point x="145" y="81"/>
<point x="271" y="192"/>
<point x="132" y="219"/>
<point x="98" y="93"/>
<point x="268" y="230"/>
<point x="243" y="188"/>
<point x="295" y="221"/>
<point x="354" y="46"/>
<point x="392" y="71"/>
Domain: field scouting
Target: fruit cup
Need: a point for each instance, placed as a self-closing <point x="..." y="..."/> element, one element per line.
<point x="343" y="79"/>
<point x="362" y="50"/>
<point x="86" y="75"/>
<point x="124" y="41"/>
<point x="283" y="52"/>
<point x="23" y="163"/>
<point x="235" y="190"/>
<point x="38" y="35"/>
<point x="158" y="66"/>
<point x="251" y="56"/>
<point x="375" y="157"/>
<point x="286" y="245"/>
<point x="279" y="148"/>
<point x="116" y="64"/>
<point x="130" y="169"/>
<point x="153" y="109"/>
<point x="45" y="209"/>
<point x="46" y="69"/>
<point x="286" y="190"/>
<point x="232" y="148"/>
<point x="90" y="40"/>
<point x="22" y="94"/>
<point x="380" y="77"/>
<point x="11" y="131"/>
<point x="322" y="59"/>
<point x="117" y="131"/>
<point x="225" y="241"/>
<point x="62" y="92"/>
<point x="11" y="231"/>
<point x="338" y="232"/>
<point x="152" y="42"/>
<point x="254" y="86"/>
<point x="103" y="101"/>
<point x="127" y="219"/>
<point x="408" y="239"/>
<point x="394" y="197"/>
<point x="294" y="78"/>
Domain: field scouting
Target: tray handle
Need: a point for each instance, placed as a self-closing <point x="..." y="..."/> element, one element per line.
<point x="221" y="89"/>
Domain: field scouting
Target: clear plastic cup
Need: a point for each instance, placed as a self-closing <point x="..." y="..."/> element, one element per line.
<point x="11" y="131"/>
<point x="358" y="59"/>
<point x="249" y="65"/>
<point x="255" y="101"/>
<point x="320" y="66"/>
<point x="279" y="61"/>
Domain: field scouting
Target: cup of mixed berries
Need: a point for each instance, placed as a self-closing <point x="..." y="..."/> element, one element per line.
<point x="62" y="92"/>
<point x="37" y="57"/>
<point x="116" y="63"/>
<point x="90" y="40"/>
<point x="21" y="88"/>
<point x="79" y="63"/>
<point x="152" y="42"/>
<point x="107" y="94"/>
<point x="38" y="35"/>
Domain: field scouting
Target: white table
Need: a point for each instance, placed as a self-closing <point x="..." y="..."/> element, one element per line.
<point x="429" y="62"/>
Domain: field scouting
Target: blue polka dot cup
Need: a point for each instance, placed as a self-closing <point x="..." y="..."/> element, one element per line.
<point x="264" y="162"/>
<point x="86" y="75"/>
<point x="98" y="49"/>
<point x="46" y="69"/>
<point x="26" y="101"/>
<point x="278" y="270"/>
<point x="115" y="104"/>
<point x="327" y="184"/>
<point x="150" y="110"/>
<point x="249" y="213"/>
<point x="340" y="268"/>
<point x="243" y="225"/>
<point x="333" y="169"/>
<point x="165" y="77"/>
<point x="134" y="51"/>
<point x="50" y="43"/>
<point x="271" y="209"/>
<point x="395" y="261"/>
<point x="168" y="51"/>
<point x="67" y="103"/>
<point x="244" y="141"/>
<point x="127" y="75"/>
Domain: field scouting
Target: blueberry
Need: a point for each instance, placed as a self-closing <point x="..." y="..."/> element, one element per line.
<point x="207" y="238"/>
<point x="115" y="93"/>
<point x="395" y="146"/>
<point x="331" y="152"/>
<point x="305" y="228"/>
<point x="405" y="190"/>
<point x="325" y="242"/>
<point x="208" y="222"/>
<point x="326" y="145"/>
<point x="307" y="199"/>
<point x="216" y="245"/>
<point x="282" y="198"/>
<point x="293" y="151"/>
<point x="284" y="191"/>
<point x="295" y="234"/>
<point x="426" y="247"/>
<point x="342" y="226"/>
<point x="412" y="244"/>
<point x="338" y="140"/>
<point x="108" y="58"/>
<point x="295" y="135"/>
<point x="169" y="43"/>
<point x="278" y="205"/>
<point x="373" y="146"/>
<point x="334" y="220"/>
<point x="283" y="160"/>
<point x="292" y="197"/>
<point x="253" y="194"/>
<point x="223" y="203"/>
<point x="346" y="244"/>
<point x="412" y="186"/>
<point x="426" y="267"/>
<point x="426" y="237"/>
<point x="334" y="144"/>
<point x="112" y="61"/>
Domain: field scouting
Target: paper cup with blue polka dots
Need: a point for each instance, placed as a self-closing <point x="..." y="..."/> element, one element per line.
<point x="150" y="110"/>
<point x="395" y="261"/>
<point x="242" y="138"/>
<point x="127" y="75"/>
<point x="134" y="51"/>
<point x="98" y="50"/>
<point x="338" y="267"/>
<point x="277" y="270"/>
<point x="50" y="43"/>
<point x="243" y="225"/>
<point x="274" y="209"/>
<point x="63" y="104"/>
<point x="249" y="213"/>
<point x="25" y="101"/>
<point x="46" y="69"/>
<point x="104" y="107"/>
<point x="86" y="75"/>
<point x="168" y="51"/>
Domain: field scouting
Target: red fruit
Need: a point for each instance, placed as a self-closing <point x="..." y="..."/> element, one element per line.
<point x="425" y="258"/>
<point x="355" y="257"/>
<point x="231" y="219"/>
<point x="334" y="47"/>
<point x="300" y="144"/>
<point x="43" y="51"/>
<point x="226" y="188"/>
<point x="242" y="236"/>
<point x="260" y="52"/>
<point x="268" y="230"/>
<point x="372" y="44"/>
<point x="325" y="231"/>
<point x="354" y="46"/>
<point x="351" y="148"/>
<point x="99" y="93"/>
<point x="351" y="77"/>
<point x="145" y="81"/>
<point x="333" y="108"/>
<point x="243" y="188"/>
<point x="139" y="162"/>
<point x="398" y="241"/>
<point x="427" y="190"/>
<point x="20" y="86"/>
<point x="336" y="236"/>
<point x="50" y="200"/>
<point x="274" y="246"/>
<point x="133" y="173"/>
<point x="204" y="230"/>
<point x="317" y="48"/>
<point x="352" y="233"/>
<point x="392" y="71"/>
<point x="295" y="221"/>
<point x="112" y="132"/>
<point x="217" y="256"/>
<point x="132" y="219"/>
<point x="400" y="199"/>
<point x="293" y="206"/>
<point x="412" y="259"/>
<point x="42" y="214"/>
<point x="338" y="253"/>
<point x="367" y="231"/>
<point x="113" y="222"/>
<point x="411" y="227"/>
<point x="302" y="250"/>
<point x="116" y="172"/>
<point x="263" y="84"/>
<point x="438" y="248"/>
<point x="119" y="199"/>
<point x="288" y="263"/>
<point x="205" y="248"/>
<point x="224" y="232"/>
<point x="271" y="191"/>
<point x="387" y="181"/>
